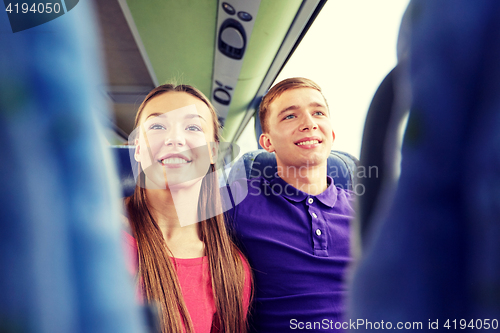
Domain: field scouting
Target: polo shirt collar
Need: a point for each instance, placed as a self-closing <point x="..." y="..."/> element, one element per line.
<point x="327" y="197"/>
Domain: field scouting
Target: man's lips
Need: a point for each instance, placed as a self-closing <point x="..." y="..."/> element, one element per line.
<point x="308" y="141"/>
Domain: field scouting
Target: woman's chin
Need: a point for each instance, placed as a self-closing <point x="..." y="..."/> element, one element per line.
<point x="183" y="184"/>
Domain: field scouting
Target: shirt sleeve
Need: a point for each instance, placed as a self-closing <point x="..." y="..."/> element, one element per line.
<point x="132" y="263"/>
<point x="131" y="257"/>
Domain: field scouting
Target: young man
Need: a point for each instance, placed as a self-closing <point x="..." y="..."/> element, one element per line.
<point x="295" y="228"/>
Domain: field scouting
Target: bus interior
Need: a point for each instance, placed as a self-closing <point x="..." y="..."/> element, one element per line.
<point x="425" y="236"/>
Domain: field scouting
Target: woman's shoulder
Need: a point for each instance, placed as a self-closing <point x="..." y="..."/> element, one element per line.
<point x="130" y="247"/>
<point x="127" y="234"/>
<point x="129" y="239"/>
<point x="244" y="260"/>
<point x="125" y="224"/>
<point x="124" y="218"/>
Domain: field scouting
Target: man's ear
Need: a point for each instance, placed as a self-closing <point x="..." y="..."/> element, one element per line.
<point x="333" y="134"/>
<point x="137" y="150"/>
<point x="265" y="142"/>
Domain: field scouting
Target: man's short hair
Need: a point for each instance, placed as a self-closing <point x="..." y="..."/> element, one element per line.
<point x="277" y="90"/>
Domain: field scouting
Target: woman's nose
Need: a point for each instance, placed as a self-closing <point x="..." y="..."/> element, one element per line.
<point x="175" y="138"/>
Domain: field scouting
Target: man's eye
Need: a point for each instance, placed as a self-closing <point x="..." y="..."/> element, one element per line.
<point x="157" y="127"/>
<point x="195" y="128"/>
<point x="290" y="116"/>
<point x="319" y="113"/>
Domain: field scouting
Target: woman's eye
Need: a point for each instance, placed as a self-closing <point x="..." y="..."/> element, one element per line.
<point x="157" y="127"/>
<point x="290" y="116"/>
<point x="193" y="128"/>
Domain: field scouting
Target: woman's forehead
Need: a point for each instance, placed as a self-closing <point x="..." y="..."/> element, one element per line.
<point x="187" y="113"/>
<point x="175" y="105"/>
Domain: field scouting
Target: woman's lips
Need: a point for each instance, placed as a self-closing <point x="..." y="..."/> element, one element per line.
<point x="174" y="160"/>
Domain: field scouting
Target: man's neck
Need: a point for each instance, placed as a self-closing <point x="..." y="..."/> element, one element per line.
<point x="311" y="179"/>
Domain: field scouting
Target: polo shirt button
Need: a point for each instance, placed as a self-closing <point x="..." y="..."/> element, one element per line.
<point x="310" y="200"/>
<point x="318" y="232"/>
<point x="314" y="215"/>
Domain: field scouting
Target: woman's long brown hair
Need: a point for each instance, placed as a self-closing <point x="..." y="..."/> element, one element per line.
<point x="158" y="272"/>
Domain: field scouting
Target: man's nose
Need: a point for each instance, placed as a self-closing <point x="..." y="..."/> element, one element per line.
<point x="175" y="138"/>
<point x="308" y="123"/>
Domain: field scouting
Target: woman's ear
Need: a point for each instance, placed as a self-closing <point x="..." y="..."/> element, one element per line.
<point x="137" y="150"/>
<point x="213" y="151"/>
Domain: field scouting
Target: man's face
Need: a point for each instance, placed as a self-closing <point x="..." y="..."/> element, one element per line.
<point x="300" y="132"/>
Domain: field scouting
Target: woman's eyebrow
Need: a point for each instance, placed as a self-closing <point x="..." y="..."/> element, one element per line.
<point x="194" y="115"/>
<point x="156" y="114"/>
<point x="187" y="116"/>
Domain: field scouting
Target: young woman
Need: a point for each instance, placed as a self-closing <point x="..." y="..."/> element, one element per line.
<point x="187" y="263"/>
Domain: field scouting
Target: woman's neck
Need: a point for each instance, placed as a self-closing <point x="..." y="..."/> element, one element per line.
<point x="176" y="215"/>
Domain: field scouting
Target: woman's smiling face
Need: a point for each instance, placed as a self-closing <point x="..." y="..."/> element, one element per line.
<point x="175" y="140"/>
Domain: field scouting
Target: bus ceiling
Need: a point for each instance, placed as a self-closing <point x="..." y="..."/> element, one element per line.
<point x="231" y="50"/>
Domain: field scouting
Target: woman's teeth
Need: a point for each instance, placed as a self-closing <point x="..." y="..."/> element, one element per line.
<point x="175" y="160"/>
<point x="311" y="142"/>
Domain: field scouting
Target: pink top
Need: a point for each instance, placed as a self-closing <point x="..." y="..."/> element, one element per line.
<point x="195" y="282"/>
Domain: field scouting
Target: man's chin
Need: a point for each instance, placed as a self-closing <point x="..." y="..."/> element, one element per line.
<point x="304" y="160"/>
<point x="314" y="159"/>
<point x="304" y="163"/>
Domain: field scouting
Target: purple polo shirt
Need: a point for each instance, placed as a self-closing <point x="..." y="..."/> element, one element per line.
<point x="298" y="247"/>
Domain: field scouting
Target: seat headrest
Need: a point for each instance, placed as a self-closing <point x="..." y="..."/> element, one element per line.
<point x="260" y="163"/>
<point x="341" y="167"/>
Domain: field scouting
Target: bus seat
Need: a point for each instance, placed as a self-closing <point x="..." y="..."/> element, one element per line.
<point x="124" y="168"/>
<point x="341" y="167"/>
